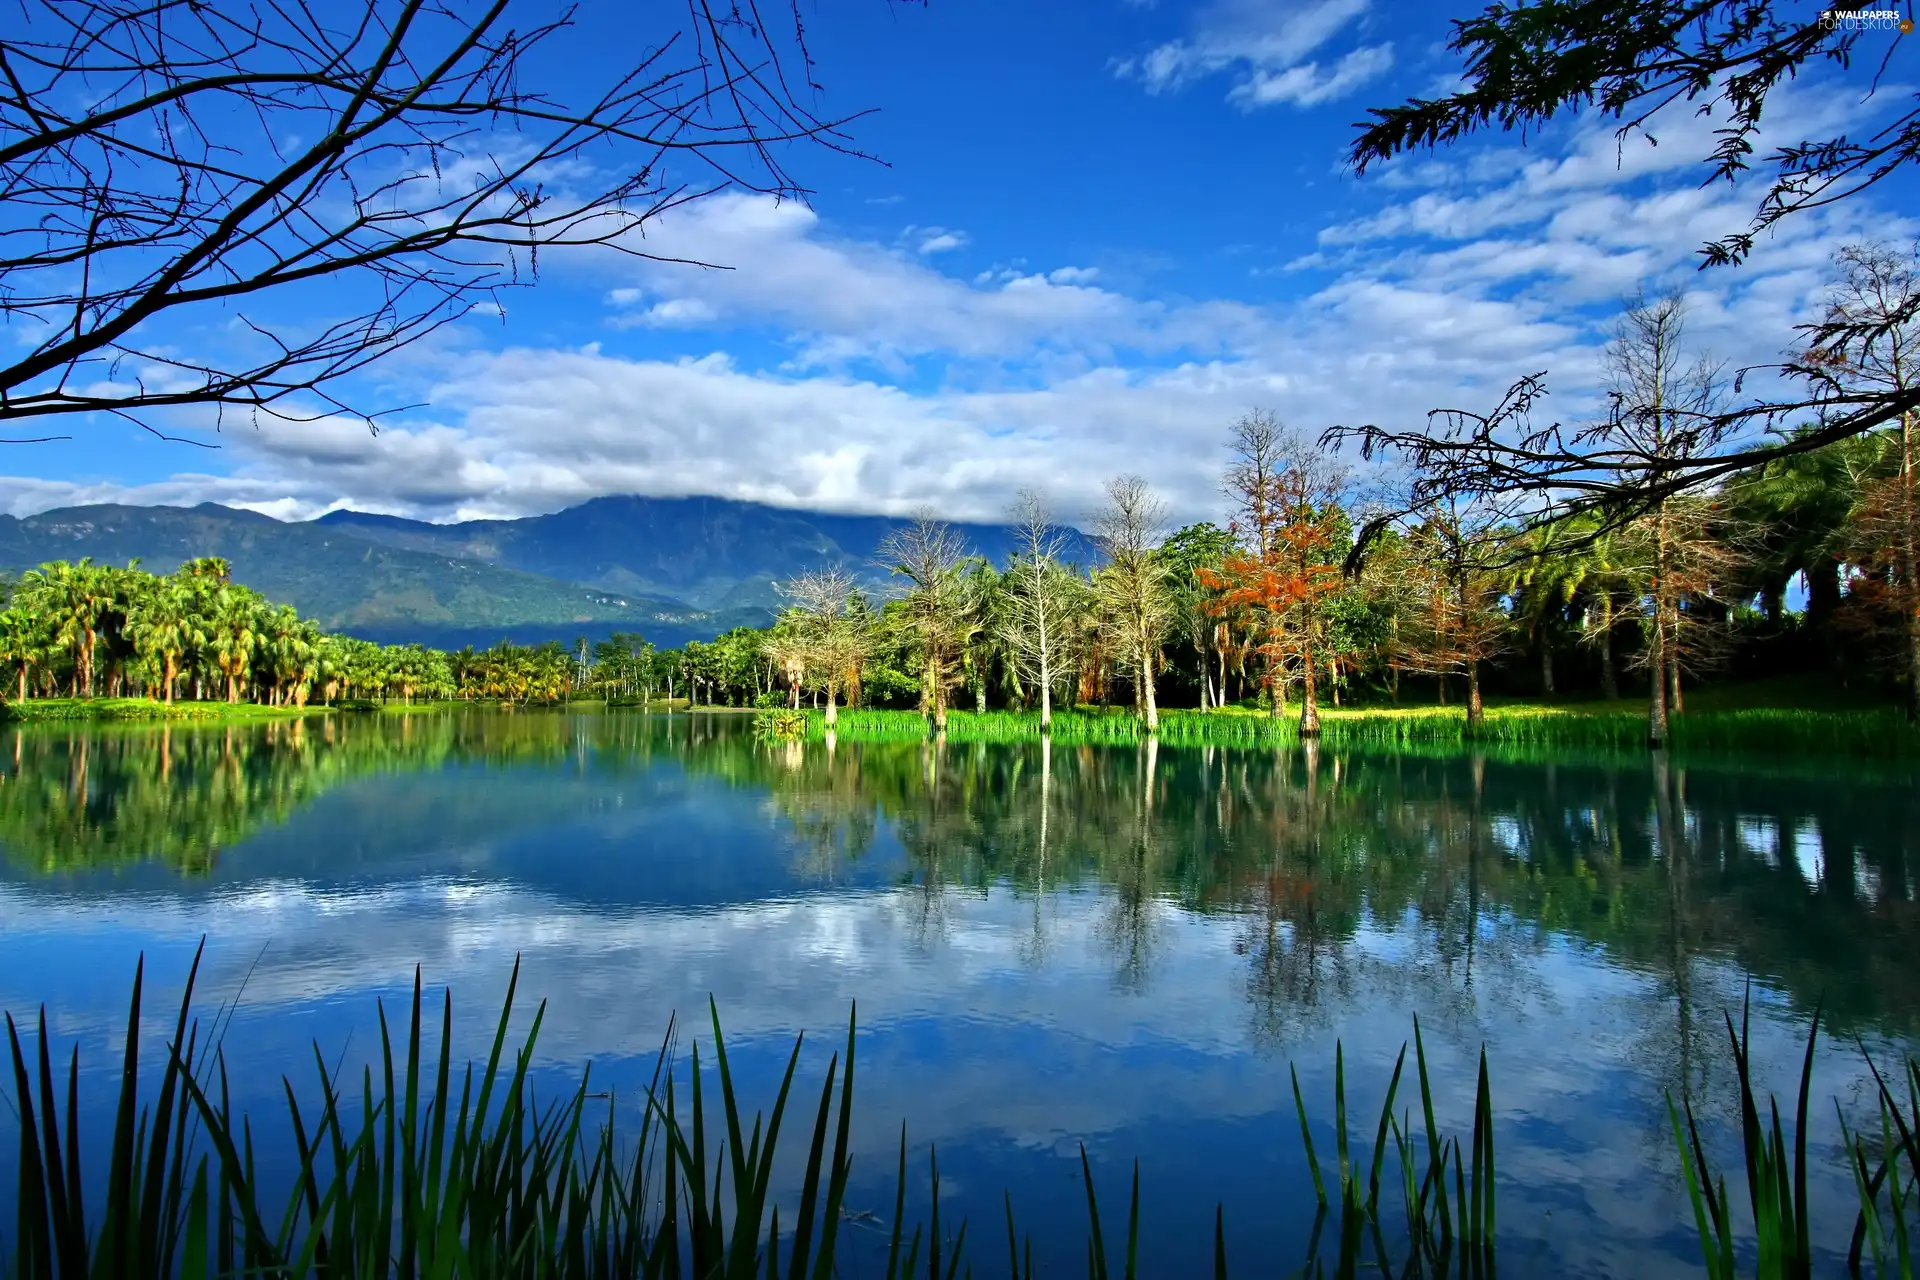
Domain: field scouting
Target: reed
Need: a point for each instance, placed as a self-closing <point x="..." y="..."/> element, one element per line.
<point x="1869" y="733"/>
<point x="437" y="1171"/>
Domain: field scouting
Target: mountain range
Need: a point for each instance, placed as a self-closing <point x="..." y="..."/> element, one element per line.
<point x="673" y="569"/>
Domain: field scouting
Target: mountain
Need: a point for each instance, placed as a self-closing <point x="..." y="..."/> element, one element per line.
<point x="674" y="569"/>
<point x="713" y="553"/>
<point x="350" y="583"/>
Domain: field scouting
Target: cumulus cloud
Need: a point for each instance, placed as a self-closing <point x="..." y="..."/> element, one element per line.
<point x="1267" y="47"/>
<point x="893" y="384"/>
<point x="843" y="300"/>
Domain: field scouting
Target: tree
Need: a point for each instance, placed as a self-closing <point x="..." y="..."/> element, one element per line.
<point x="172" y="160"/>
<point x="1873" y="314"/>
<point x="981" y="647"/>
<point x="1665" y="409"/>
<point x="1296" y="537"/>
<point x="71" y="596"/>
<point x="1524" y="64"/>
<point x="1038" y="626"/>
<point x="934" y="611"/>
<point x="1135" y="604"/>
<point x="234" y="635"/>
<point x="826" y="639"/>
<point x="164" y="627"/>
<point x="1457" y="623"/>
<point x="23" y="642"/>
<point x="1186" y="554"/>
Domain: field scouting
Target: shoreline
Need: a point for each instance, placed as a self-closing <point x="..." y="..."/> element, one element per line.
<point x="1877" y="734"/>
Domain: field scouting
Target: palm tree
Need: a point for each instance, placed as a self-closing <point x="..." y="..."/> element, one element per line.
<point x="71" y="596"/>
<point x="236" y="634"/>
<point x="163" y="627"/>
<point x="22" y="642"/>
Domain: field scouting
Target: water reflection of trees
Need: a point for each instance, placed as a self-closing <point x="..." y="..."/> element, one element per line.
<point x="1434" y="882"/>
<point x="91" y="798"/>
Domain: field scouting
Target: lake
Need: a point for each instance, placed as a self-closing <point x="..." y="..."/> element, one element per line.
<point x="1124" y="948"/>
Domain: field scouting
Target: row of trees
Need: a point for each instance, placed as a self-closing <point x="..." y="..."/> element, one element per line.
<point x="1318" y="583"/>
<point x="89" y="630"/>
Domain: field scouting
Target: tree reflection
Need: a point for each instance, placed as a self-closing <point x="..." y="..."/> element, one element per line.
<point x="1434" y="881"/>
<point x="1437" y="882"/>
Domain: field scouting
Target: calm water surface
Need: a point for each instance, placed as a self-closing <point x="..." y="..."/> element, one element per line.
<point x="1122" y="948"/>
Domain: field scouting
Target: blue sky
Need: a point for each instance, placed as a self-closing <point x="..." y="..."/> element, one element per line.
<point x="1105" y="229"/>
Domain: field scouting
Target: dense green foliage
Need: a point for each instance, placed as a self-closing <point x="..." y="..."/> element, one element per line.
<point x="118" y="641"/>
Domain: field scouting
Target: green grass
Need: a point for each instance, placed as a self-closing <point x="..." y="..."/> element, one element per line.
<point x="1870" y="732"/>
<point x="36" y="710"/>
<point x="438" y="1171"/>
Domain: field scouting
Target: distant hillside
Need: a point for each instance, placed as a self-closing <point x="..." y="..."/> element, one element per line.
<point x="349" y="583"/>
<point x="674" y="569"/>
<point x="713" y="553"/>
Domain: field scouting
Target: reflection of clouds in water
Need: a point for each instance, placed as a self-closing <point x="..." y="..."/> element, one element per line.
<point x="966" y="1035"/>
<point x="1132" y="964"/>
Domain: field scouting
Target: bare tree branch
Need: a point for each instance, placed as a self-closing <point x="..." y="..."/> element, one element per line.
<point x="163" y="162"/>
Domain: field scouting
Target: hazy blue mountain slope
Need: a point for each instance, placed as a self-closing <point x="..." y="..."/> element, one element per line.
<point x="713" y="553"/>
<point x="346" y="582"/>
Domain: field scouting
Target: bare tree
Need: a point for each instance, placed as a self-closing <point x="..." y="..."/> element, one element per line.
<point x="1873" y="315"/>
<point x="175" y="159"/>
<point x="936" y="610"/>
<point x="1135" y="605"/>
<point x="1456" y="621"/>
<point x="1260" y="445"/>
<point x="1665" y="408"/>
<point x="1524" y="64"/>
<point x="824" y="634"/>
<point x="1039" y="626"/>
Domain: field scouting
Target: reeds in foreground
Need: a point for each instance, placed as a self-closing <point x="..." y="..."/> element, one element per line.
<point x="431" y="1172"/>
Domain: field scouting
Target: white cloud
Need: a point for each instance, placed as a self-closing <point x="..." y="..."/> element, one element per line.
<point x="1306" y="84"/>
<point x="901" y="385"/>
<point x="844" y="300"/>
<point x="942" y="242"/>
<point x="1267" y="46"/>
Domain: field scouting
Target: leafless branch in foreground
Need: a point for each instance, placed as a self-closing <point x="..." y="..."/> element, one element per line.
<point x="168" y="167"/>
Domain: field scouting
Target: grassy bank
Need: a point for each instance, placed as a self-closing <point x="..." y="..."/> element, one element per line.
<point x="1878" y="732"/>
<point x="410" y="1179"/>
<point x="38" y="710"/>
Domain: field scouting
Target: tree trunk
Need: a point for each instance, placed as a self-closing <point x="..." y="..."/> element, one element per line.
<point x="1546" y="667"/>
<point x="1309" y="704"/>
<point x="1676" y="705"/>
<point x="172" y="674"/>
<point x="1443" y="690"/>
<point x="1150" y="707"/>
<point x="233" y="688"/>
<point x="1609" y="678"/>
<point x="1823" y="591"/>
<point x="1046" y="692"/>
<point x="833" y="708"/>
<point x="1909" y="563"/>
<point x="1476" y="710"/>
<point x="1657" y="689"/>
